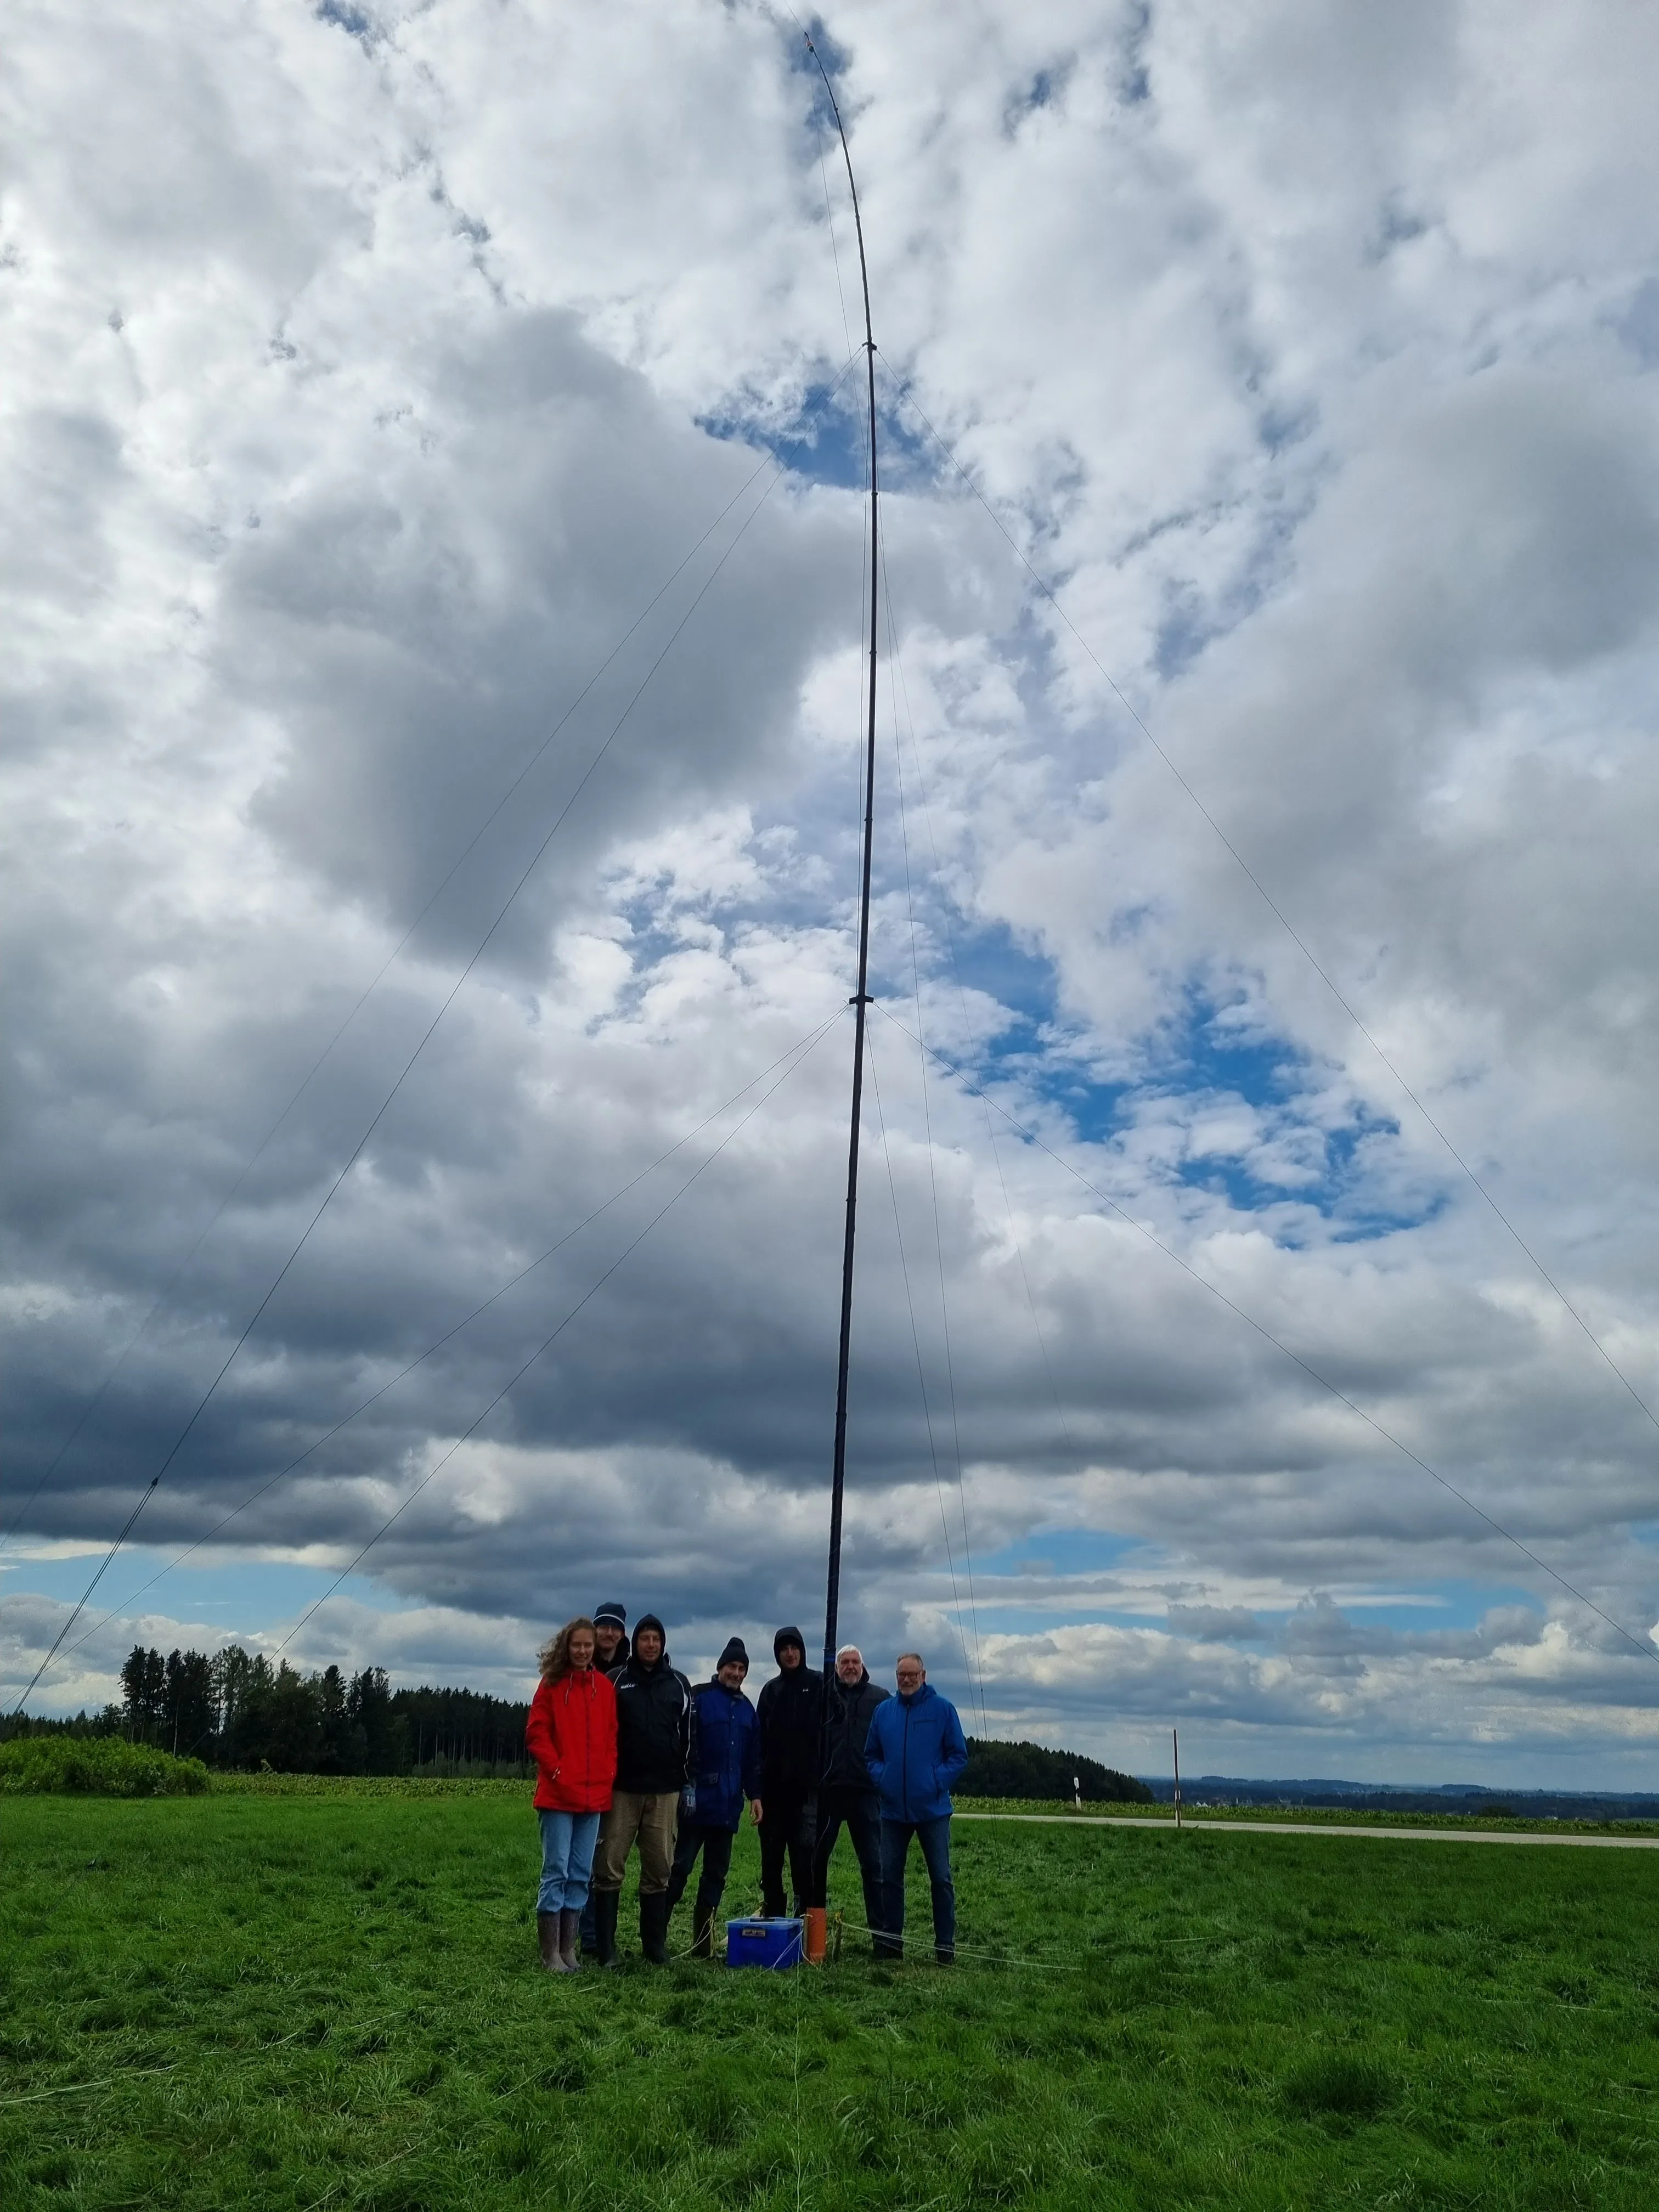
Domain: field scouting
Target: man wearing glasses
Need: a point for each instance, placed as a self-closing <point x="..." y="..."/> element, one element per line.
<point x="914" y="1752"/>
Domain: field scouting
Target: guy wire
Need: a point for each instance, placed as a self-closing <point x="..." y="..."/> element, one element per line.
<point x="586" y="1299"/>
<point x="161" y="1297"/>
<point x="962" y="995"/>
<point x="1637" y="1644"/>
<point x="801" y="1045"/>
<point x="203" y="1401"/>
<point x="921" y="1377"/>
<point x="1266" y="898"/>
<point x="928" y="1133"/>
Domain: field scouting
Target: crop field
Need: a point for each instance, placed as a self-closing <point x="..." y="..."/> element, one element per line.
<point x="330" y="1999"/>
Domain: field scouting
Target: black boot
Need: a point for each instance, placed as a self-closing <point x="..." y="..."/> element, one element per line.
<point x="704" y="1911"/>
<point x="604" y="1926"/>
<point x="653" y="1928"/>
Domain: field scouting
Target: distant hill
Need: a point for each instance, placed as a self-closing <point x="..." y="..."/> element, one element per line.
<point x="1028" y="1770"/>
<point x="1461" y="1798"/>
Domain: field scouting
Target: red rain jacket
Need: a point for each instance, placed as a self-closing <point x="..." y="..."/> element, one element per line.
<point x="571" y="1735"/>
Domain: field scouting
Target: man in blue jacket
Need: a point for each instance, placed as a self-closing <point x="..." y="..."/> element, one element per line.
<point x="728" y="1772"/>
<point x="914" y="1752"/>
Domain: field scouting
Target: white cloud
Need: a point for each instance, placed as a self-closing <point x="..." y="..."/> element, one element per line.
<point x="361" y="370"/>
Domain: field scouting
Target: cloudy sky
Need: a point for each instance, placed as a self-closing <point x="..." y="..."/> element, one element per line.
<point x="433" y="540"/>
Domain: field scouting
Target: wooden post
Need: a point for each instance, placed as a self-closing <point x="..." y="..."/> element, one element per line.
<point x="1175" y="1740"/>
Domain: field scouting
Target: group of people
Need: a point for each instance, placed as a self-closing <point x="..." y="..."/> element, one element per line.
<point x="630" y="1756"/>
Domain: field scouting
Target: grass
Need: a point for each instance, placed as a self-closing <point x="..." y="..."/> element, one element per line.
<point x="329" y="1998"/>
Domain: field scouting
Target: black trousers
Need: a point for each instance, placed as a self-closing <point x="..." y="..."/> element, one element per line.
<point x="858" y="1811"/>
<point x="715" y="1845"/>
<point x="788" y="1824"/>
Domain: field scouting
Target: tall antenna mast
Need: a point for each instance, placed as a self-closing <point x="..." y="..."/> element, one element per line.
<point x="861" y="997"/>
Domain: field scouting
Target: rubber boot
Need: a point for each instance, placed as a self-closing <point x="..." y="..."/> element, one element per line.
<point x="604" y="1926"/>
<point x="702" y="1944"/>
<point x="654" y="1929"/>
<point x="547" y="1934"/>
<point x="570" y="1940"/>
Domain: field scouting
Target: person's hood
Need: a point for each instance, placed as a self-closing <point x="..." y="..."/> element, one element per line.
<point x="612" y="1611"/>
<point x="788" y="1636"/>
<point x="649" y="1621"/>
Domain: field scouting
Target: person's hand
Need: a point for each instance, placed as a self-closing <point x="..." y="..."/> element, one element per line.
<point x="755" y="1810"/>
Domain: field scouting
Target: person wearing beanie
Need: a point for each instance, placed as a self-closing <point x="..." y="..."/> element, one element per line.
<point x="610" y="1628"/>
<point x="848" y="1796"/>
<point x="656" y="1747"/>
<point x="728" y="1777"/>
<point x="610" y="1638"/>
<point x="790" y="1715"/>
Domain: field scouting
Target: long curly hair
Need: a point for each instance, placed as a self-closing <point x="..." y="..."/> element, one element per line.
<point x="555" y="1654"/>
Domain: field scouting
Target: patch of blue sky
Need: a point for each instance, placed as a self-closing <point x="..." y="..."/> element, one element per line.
<point x="989" y="962"/>
<point x="1220" y="1053"/>
<point x="823" y="441"/>
<point x="826" y="440"/>
<point x="1429" y="1608"/>
<point x="1060" y="1552"/>
<point x="829" y="52"/>
<point x="250" y="1596"/>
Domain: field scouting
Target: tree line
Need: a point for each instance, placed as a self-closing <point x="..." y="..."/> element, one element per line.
<point x="233" y="1709"/>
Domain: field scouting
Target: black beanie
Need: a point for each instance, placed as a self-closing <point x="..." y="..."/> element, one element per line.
<point x="735" y="1649"/>
<point x="610" y="1611"/>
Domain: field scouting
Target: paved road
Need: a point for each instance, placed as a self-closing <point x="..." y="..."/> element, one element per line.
<point x="1331" y="1828"/>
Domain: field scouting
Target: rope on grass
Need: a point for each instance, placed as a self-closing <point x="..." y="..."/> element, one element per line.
<point x="84" y="2088"/>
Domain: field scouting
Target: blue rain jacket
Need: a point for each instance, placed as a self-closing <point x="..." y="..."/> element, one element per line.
<point x="728" y="1769"/>
<point x="914" y="1751"/>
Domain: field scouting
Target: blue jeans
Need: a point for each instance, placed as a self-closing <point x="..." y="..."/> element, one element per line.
<point x="568" y="1841"/>
<point x="934" y="1837"/>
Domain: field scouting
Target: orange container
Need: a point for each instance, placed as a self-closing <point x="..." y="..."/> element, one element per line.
<point x="817" y="1920"/>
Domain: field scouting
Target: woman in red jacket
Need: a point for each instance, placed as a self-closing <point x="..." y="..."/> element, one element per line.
<point x="572" y="1736"/>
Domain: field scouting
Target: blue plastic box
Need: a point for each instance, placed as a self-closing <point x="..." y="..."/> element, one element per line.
<point x="762" y="1943"/>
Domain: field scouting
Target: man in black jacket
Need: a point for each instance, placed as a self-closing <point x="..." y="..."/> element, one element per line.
<point x="790" y="1716"/>
<point x="848" y="1796"/>
<point x="656" y="1755"/>
<point x="611" y="1650"/>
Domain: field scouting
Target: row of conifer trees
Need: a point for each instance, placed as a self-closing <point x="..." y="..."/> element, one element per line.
<point x="233" y="1709"/>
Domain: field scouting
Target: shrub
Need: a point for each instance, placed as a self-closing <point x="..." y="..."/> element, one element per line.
<point x="98" y="1766"/>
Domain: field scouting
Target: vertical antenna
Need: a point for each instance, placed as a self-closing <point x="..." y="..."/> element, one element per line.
<point x="861" y="997"/>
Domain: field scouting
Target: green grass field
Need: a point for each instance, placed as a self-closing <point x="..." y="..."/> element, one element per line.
<point x="299" y="2000"/>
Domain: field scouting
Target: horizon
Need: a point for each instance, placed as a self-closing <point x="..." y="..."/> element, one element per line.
<point x="1254" y="1330"/>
